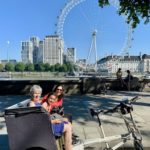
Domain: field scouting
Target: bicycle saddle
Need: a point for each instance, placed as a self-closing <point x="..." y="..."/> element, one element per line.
<point x="125" y="108"/>
<point x="95" y="111"/>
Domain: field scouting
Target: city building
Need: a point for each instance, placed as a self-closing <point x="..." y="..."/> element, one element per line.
<point x="145" y="64"/>
<point x="71" y="55"/>
<point x="136" y="64"/>
<point x="12" y="61"/>
<point x="53" y="50"/>
<point x="41" y="52"/>
<point x="35" y="40"/>
<point x="50" y="50"/>
<point x="81" y="63"/>
<point x="27" y="52"/>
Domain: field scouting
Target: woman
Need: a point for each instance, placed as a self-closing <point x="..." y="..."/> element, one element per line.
<point x="119" y="74"/>
<point x="59" y="124"/>
<point x="59" y="93"/>
<point x="119" y="77"/>
<point x="35" y="93"/>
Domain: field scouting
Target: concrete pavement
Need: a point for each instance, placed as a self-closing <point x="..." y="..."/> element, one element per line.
<point x="87" y="127"/>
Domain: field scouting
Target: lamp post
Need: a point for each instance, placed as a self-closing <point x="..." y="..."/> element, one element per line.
<point x="8" y="42"/>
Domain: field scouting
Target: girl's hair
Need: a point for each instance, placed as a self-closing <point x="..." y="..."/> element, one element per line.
<point x="49" y="94"/>
<point x="62" y="95"/>
<point x="35" y="88"/>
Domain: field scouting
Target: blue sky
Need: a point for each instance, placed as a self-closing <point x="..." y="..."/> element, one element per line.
<point x="21" y="19"/>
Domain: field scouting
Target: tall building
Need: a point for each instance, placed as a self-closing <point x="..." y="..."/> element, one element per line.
<point x="41" y="52"/>
<point x="35" y="41"/>
<point x="71" y="55"/>
<point x="12" y="61"/>
<point x="27" y="52"/>
<point x="53" y="50"/>
<point x="50" y="50"/>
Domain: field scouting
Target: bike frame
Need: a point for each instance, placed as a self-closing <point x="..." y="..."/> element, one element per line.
<point x="105" y="139"/>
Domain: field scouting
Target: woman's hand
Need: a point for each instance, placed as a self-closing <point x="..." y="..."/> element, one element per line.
<point x="56" y="121"/>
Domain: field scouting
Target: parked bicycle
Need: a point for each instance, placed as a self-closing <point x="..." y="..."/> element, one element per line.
<point x="125" y="109"/>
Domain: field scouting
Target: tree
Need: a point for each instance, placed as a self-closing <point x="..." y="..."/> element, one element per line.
<point x="63" y="68"/>
<point x="1" y="67"/>
<point x="69" y="67"/>
<point x="9" y="67"/>
<point x="57" y="66"/>
<point x="20" y="67"/>
<point x="47" y="66"/>
<point x="52" y="68"/>
<point x="29" y="67"/>
<point x="134" y="10"/>
<point x="39" y="67"/>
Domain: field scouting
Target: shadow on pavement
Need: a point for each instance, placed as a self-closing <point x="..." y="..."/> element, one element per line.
<point x="4" y="142"/>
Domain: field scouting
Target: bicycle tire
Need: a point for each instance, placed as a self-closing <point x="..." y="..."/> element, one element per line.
<point x="138" y="145"/>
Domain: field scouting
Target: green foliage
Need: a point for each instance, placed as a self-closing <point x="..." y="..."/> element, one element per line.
<point x="19" y="67"/>
<point x="134" y="10"/>
<point x="1" y="67"/>
<point x="47" y="67"/>
<point x="103" y="3"/>
<point x="63" y="68"/>
<point x="29" y="67"/>
<point x="9" y="67"/>
<point x="52" y="68"/>
<point x="39" y="67"/>
<point x="69" y="67"/>
<point x="57" y="66"/>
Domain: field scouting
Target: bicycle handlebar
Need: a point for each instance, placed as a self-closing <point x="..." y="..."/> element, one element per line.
<point x="124" y="107"/>
<point x="134" y="99"/>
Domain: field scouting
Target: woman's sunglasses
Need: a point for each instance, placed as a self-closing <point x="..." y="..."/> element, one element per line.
<point x="59" y="89"/>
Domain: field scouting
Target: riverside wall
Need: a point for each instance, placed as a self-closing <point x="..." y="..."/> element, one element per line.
<point x="22" y="87"/>
<point x="85" y="85"/>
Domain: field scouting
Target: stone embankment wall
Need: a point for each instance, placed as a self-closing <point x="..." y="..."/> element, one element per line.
<point x="72" y="86"/>
<point x="22" y="87"/>
<point x="101" y="85"/>
<point x="31" y="74"/>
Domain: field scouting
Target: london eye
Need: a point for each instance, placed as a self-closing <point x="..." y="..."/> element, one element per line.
<point x="92" y="52"/>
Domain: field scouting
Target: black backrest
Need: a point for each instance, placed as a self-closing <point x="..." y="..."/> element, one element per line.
<point x="29" y="128"/>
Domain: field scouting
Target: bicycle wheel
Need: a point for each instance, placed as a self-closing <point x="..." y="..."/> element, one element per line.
<point x="138" y="145"/>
